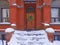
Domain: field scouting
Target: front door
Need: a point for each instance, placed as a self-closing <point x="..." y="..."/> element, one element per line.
<point x="30" y="17"/>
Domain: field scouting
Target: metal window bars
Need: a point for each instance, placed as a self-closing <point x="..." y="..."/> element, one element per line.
<point x="55" y="19"/>
<point x="3" y="40"/>
<point x="5" y="19"/>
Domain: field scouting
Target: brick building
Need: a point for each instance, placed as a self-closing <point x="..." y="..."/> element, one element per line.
<point x="30" y="14"/>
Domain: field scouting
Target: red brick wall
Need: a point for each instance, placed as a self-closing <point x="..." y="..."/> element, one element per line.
<point x="20" y="23"/>
<point x="50" y="36"/>
<point x="4" y="26"/>
<point x="17" y="14"/>
<point x="46" y="14"/>
<point x="55" y="26"/>
<point x="46" y="11"/>
<point x="38" y="15"/>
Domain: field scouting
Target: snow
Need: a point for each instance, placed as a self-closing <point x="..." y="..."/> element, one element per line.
<point x="13" y="24"/>
<point x="14" y="4"/>
<point x="55" y="23"/>
<point x="4" y="23"/>
<point x="2" y="43"/>
<point x="46" y="24"/>
<point x="50" y="30"/>
<point x="56" y="42"/>
<point x="29" y="38"/>
<point x="9" y="30"/>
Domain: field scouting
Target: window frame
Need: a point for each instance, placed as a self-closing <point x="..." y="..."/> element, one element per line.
<point x="1" y="21"/>
<point x="57" y="35"/>
<point x="58" y="15"/>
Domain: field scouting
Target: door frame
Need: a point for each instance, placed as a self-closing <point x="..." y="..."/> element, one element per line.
<point x="25" y="7"/>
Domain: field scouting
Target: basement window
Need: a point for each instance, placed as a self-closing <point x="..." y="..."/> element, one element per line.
<point x="4" y="15"/>
<point x="55" y="15"/>
<point x="57" y="36"/>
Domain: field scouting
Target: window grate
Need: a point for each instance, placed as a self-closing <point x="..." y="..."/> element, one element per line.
<point x="55" y="19"/>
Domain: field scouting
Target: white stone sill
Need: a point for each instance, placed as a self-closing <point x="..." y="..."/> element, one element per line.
<point x="55" y="23"/>
<point x="4" y="22"/>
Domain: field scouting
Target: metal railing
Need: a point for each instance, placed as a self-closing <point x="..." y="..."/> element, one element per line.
<point x="55" y="19"/>
<point x="5" y="19"/>
<point x="2" y="39"/>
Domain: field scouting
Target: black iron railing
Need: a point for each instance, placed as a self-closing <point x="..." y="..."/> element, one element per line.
<point x="2" y="39"/>
<point x="55" y="19"/>
<point x="5" y="19"/>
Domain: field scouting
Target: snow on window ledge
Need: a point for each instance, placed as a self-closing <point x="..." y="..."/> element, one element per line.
<point x="55" y="23"/>
<point x="4" y="22"/>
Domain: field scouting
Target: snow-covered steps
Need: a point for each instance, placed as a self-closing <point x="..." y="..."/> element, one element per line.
<point x="29" y="38"/>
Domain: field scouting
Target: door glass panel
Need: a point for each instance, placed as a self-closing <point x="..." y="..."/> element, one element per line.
<point x="30" y="9"/>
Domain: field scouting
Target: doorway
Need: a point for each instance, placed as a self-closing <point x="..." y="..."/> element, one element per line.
<point x="30" y="20"/>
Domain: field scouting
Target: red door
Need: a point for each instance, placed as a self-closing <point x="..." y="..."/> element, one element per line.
<point x="30" y="17"/>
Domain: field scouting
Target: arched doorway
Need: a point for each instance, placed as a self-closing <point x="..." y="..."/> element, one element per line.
<point x="30" y="17"/>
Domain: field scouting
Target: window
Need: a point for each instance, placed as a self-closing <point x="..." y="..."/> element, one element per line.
<point x="5" y="15"/>
<point x="55" y="17"/>
<point x="57" y="36"/>
<point x="30" y="9"/>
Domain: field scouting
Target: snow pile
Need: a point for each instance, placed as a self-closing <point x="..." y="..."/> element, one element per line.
<point x="13" y="24"/>
<point x="0" y="42"/>
<point x="56" y="42"/>
<point x="50" y="30"/>
<point x="9" y="30"/>
<point x="46" y="24"/>
<point x="29" y="38"/>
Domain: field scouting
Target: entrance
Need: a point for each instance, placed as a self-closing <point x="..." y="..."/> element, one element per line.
<point x="30" y="17"/>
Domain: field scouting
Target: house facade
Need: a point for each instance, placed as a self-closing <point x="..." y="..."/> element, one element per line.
<point x="30" y="14"/>
<point x="33" y="13"/>
<point x="4" y="10"/>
